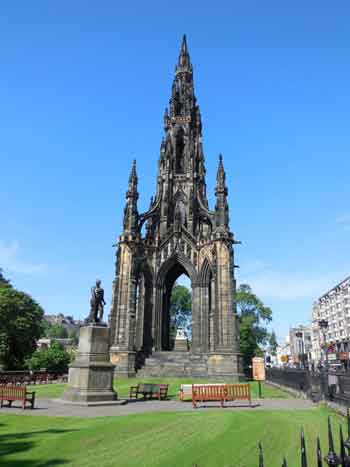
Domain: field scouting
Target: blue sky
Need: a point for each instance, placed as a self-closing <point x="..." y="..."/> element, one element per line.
<point x="83" y="87"/>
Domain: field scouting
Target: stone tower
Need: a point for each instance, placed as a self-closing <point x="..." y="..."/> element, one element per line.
<point x="178" y="235"/>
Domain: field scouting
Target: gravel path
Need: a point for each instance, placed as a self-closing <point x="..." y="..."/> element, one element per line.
<point x="50" y="407"/>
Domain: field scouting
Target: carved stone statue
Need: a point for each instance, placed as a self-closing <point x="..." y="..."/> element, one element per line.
<point x="97" y="303"/>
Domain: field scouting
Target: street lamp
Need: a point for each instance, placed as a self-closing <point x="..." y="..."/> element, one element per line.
<point x="299" y="335"/>
<point x="323" y="325"/>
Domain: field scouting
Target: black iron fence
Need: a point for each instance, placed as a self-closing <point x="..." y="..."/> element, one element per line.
<point x="333" y="457"/>
<point x="333" y="386"/>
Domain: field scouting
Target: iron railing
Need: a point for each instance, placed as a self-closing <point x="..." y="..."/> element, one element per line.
<point x="333" y="458"/>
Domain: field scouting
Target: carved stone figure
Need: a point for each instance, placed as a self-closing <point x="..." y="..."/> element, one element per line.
<point x="97" y="303"/>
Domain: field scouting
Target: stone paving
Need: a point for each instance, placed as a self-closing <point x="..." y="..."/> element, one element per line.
<point x="52" y="407"/>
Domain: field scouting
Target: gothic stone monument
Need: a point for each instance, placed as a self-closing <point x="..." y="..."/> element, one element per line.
<point x="182" y="236"/>
<point x="91" y="374"/>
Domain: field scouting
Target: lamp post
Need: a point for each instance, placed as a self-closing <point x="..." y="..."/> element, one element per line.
<point x="299" y="335"/>
<point x="323" y="325"/>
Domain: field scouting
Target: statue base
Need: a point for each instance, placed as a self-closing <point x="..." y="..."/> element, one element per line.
<point x="90" y="379"/>
<point x="181" y="345"/>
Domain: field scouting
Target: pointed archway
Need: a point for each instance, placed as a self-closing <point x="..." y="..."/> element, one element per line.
<point x="170" y="271"/>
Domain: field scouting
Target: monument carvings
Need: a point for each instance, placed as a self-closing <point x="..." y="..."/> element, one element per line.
<point x="179" y="234"/>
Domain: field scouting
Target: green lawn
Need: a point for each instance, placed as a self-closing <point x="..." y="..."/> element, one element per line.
<point x="122" y="386"/>
<point x="210" y="438"/>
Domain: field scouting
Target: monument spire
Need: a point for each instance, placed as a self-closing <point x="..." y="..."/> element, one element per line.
<point x="130" y="210"/>
<point x="221" y="207"/>
<point x="184" y="57"/>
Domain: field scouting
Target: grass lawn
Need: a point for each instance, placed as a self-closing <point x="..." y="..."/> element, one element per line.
<point x="122" y="386"/>
<point x="210" y="438"/>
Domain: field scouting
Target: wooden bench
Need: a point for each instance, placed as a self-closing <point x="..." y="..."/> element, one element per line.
<point x="16" y="393"/>
<point x="149" y="390"/>
<point x="221" y="393"/>
<point x="185" y="392"/>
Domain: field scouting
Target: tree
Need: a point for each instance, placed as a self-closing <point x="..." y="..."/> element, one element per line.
<point x="20" y="325"/>
<point x="3" y="281"/>
<point x="55" y="359"/>
<point x="57" y="331"/>
<point x="74" y="335"/>
<point x="180" y="310"/>
<point x="253" y="317"/>
<point x="273" y="344"/>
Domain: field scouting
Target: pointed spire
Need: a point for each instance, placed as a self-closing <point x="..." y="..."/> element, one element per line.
<point x="221" y="207"/>
<point x="133" y="177"/>
<point x="130" y="210"/>
<point x="303" y="450"/>
<point x="261" y="456"/>
<point x="331" y="458"/>
<point x="221" y="179"/>
<point x="343" y="457"/>
<point x="319" y="453"/>
<point x="347" y="442"/>
<point x="184" y="57"/>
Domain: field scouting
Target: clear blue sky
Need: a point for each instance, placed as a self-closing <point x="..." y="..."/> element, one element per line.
<point x="83" y="87"/>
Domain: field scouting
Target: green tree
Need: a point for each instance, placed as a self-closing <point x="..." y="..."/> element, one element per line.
<point x="20" y="325"/>
<point x="57" y="331"/>
<point x="3" y="281"/>
<point x="74" y="335"/>
<point x="273" y="344"/>
<point x="45" y="328"/>
<point x="55" y="359"/>
<point x="253" y="318"/>
<point x="180" y="310"/>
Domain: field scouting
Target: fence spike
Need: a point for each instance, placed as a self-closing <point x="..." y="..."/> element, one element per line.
<point x="342" y="447"/>
<point x="303" y="449"/>
<point x="261" y="456"/>
<point x="347" y="442"/>
<point x="345" y="459"/>
<point x="331" y="458"/>
<point x="319" y="453"/>
<point x="284" y="463"/>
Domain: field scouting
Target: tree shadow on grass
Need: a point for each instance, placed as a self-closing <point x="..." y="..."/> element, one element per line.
<point x="11" y="444"/>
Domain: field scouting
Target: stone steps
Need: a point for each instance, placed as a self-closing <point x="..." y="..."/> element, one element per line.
<point x="167" y="364"/>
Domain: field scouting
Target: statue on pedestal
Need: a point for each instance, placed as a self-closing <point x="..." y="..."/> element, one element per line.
<point x="97" y="303"/>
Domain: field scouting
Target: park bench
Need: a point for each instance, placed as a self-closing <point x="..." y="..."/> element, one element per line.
<point x="185" y="392"/>
<point x="16" y="393"/>
<point x="149" y="390"/>
<point x="221" y="393"/>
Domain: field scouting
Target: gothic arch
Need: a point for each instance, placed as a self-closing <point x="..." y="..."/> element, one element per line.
<point x="180" y="259"/>
<point x="206" y="272"/>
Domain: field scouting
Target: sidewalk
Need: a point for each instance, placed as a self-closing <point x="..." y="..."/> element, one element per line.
<point x="51" y="407"/>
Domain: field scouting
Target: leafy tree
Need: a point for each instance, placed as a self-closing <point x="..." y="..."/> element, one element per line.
<point x="55" y="359"/>
<point x="74" y="334"/>
<point x="3" y="281"/>
<point x="57" y="331"/>
<point x="20" y="325"/>
<point x="45" y="328"/>
<point x="273" y="344"/>
<point x="253" y="318"/>
<point x="180" y="310"/>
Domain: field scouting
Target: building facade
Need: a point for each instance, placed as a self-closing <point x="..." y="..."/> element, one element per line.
<point x="333" y="308"/>
<point x="179" y="234"/>
<point x="300" y="345"/>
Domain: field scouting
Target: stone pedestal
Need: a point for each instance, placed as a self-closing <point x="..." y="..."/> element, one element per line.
<point x="224" y="366"/>
<point x="91" y="374"/>
<point x="181" y="345"/>
<point x="181" y="342"/>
